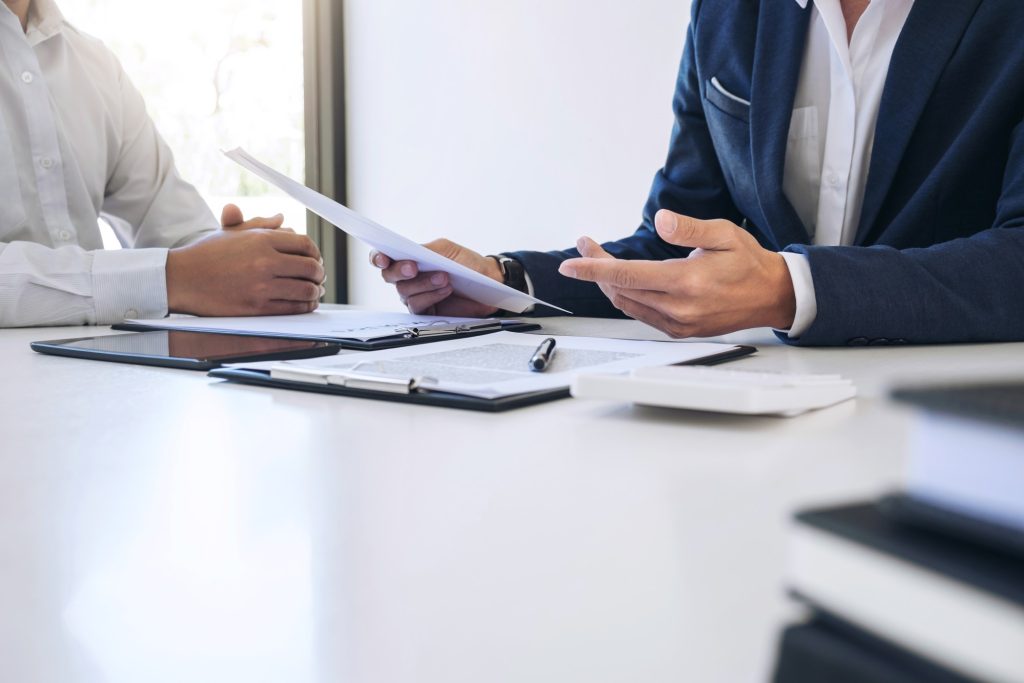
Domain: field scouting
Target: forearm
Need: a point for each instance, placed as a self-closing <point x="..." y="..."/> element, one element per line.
<point x="965" y="290"/>
<point x="71" y="286"/>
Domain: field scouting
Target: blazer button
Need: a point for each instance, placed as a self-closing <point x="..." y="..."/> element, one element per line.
<point x="881" y="341"/>
<point x="899" y="341"/>
<point x="858" y="341"/>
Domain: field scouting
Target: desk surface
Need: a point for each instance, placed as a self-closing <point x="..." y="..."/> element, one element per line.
<point x="157" y="525"/>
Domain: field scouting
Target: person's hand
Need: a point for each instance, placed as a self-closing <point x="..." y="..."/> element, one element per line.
<point x="231" y="218"/>
<point x="245" y="272"/>
<point x="727" y="283"/>
<point x="430" y="293"/>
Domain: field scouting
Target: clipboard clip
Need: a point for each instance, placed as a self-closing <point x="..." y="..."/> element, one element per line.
<point x="353" y="379"/>
<point x="446" y="329"/>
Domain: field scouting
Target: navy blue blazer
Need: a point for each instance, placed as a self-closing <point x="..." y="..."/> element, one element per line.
<point x="939" y="251"/>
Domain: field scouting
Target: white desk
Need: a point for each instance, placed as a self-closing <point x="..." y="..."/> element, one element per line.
<point x="159" y="526"/>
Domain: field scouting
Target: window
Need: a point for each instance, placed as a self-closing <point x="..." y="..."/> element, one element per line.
<point x="215" y="74"/>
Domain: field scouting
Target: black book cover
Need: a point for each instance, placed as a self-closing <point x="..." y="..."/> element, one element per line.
<point x="999" y="573"/>
<point x="996" y="403"/>
<point x="826" y="649"/>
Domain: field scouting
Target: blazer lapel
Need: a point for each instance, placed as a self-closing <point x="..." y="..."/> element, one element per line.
<point x="931" y="34"/>
<point x="781" y="36"/>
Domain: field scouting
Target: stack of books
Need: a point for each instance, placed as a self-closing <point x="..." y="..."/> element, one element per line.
<point x="926" y="584"/>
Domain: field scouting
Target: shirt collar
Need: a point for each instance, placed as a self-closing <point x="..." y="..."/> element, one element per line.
<point x="802" y="3"/>
<point x="44" y="22"/>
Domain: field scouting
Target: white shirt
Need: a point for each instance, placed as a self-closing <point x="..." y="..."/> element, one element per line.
<point x="832" y="131"/>
<point x="75" y="143"/>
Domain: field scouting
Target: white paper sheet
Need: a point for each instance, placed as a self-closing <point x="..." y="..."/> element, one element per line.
<point x="496" y="365"/>
<point x="343" y="324"/>
<point x="465" y="281"/>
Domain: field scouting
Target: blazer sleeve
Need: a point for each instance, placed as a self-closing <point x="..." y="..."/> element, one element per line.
<point x="966" y="290"/>
<point x="691" y="182"/>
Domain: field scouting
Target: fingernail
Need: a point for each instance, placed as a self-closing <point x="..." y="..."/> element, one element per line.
<point x="581" y="243"/>
<point x="408" y="270"/>
<point x="437" y="279"/>
<point x="567" y="270"/>
<point x="323" y="290"/>
<point x="668" y="222"/>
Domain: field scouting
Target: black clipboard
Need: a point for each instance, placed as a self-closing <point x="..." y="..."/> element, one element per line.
<point x="405" y="338"/>
<point x="262" y="378"/>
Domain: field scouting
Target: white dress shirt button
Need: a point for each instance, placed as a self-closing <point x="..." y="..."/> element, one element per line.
<point x="46" y="163"/>
<point x="64" y="235"/>
<point x="131" y="313"/>
<point x="833" y="179"/>
<point x="27" y="76"/>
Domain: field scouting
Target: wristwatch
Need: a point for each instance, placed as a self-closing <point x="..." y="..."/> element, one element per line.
<point x="512" y="273"/>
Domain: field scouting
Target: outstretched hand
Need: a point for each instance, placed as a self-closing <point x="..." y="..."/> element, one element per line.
<point x="727" y="283"/>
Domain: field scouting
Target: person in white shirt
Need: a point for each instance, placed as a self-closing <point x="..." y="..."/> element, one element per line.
<point x="844" y="171"/>
<point x="76" y="143"/>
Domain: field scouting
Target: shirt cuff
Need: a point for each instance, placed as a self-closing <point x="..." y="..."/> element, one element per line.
<point x="129" y="283"/>
<point x="803" y="287"/>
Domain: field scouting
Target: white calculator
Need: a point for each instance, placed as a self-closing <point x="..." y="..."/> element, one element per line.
<point x="719" y="390"/>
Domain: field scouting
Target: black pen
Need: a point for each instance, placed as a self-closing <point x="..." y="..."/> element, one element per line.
<point x="541" y="358"/>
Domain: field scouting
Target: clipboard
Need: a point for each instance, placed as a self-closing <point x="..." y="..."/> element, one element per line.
<point x="403" y="336"/>
<point x="441" y="399"/>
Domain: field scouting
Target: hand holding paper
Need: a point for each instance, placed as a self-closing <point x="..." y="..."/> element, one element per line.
<point x="464" y="281"/>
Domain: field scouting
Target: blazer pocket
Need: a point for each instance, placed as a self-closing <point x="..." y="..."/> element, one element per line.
<point x="727" y="102"/>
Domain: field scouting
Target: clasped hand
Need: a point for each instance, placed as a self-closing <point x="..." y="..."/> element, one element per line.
<point x="727" y="283"/>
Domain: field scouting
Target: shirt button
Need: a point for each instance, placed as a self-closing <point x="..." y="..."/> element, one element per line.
<point x="833" y="180"/>
<point x="46" y="163"/>
<point x="64" y="235"/>
<point x="131" y="313"/>
<point x="27" y="76"/>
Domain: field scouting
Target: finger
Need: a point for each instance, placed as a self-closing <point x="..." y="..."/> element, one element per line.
<point x="649" y="315"/>
<point x="400" y="271"/>
<point x="290" y="243"/>
<point x="685" y="231"/>
<point x="259" y="223"/>
<point x="290" y="289"/>
<point x="591" y="249"/>
<point x="424" y="303"/>
<point x="299" y="267"/>
<point x="379" y="260"/>
<point x="425" y="282"/>
<point x="627" y="274"/>
<point x="230" y="216"/>
<point x="287" y="307"/>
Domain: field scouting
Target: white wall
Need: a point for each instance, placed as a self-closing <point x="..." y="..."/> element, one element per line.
<point x="506" y="124"/>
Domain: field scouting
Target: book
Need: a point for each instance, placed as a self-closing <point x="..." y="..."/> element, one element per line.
<point x="828" y="649"/>
<point x="967" y="458"/>
<point x="951" y="602"/>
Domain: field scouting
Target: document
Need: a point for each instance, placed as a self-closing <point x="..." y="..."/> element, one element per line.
<point x="327" y="324"/>
<point x="465" y="281"/>
<point x="495" y="365"/>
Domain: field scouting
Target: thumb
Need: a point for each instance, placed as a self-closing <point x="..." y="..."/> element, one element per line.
<point x="588" y="248"/>
<point x="684" y="231"/>
<point x="230" y="216"/>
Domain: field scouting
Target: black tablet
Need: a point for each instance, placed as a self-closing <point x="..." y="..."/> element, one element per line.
<point x="186" y="350"/>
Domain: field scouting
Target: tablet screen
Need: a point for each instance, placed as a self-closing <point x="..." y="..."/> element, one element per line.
<point x="224" y="348"/>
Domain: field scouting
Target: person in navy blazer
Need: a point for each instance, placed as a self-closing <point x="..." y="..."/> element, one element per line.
<point x="938" y="254"/>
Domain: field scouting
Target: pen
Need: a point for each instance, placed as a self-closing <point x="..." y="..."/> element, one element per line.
<point x="541" y="358"/>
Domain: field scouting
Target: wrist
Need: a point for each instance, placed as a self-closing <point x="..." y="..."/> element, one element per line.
<point x="173" y="270"/>
<point x="493" y="269"/>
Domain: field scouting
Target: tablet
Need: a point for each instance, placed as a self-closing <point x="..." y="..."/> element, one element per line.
<point x="186" y="350"/>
